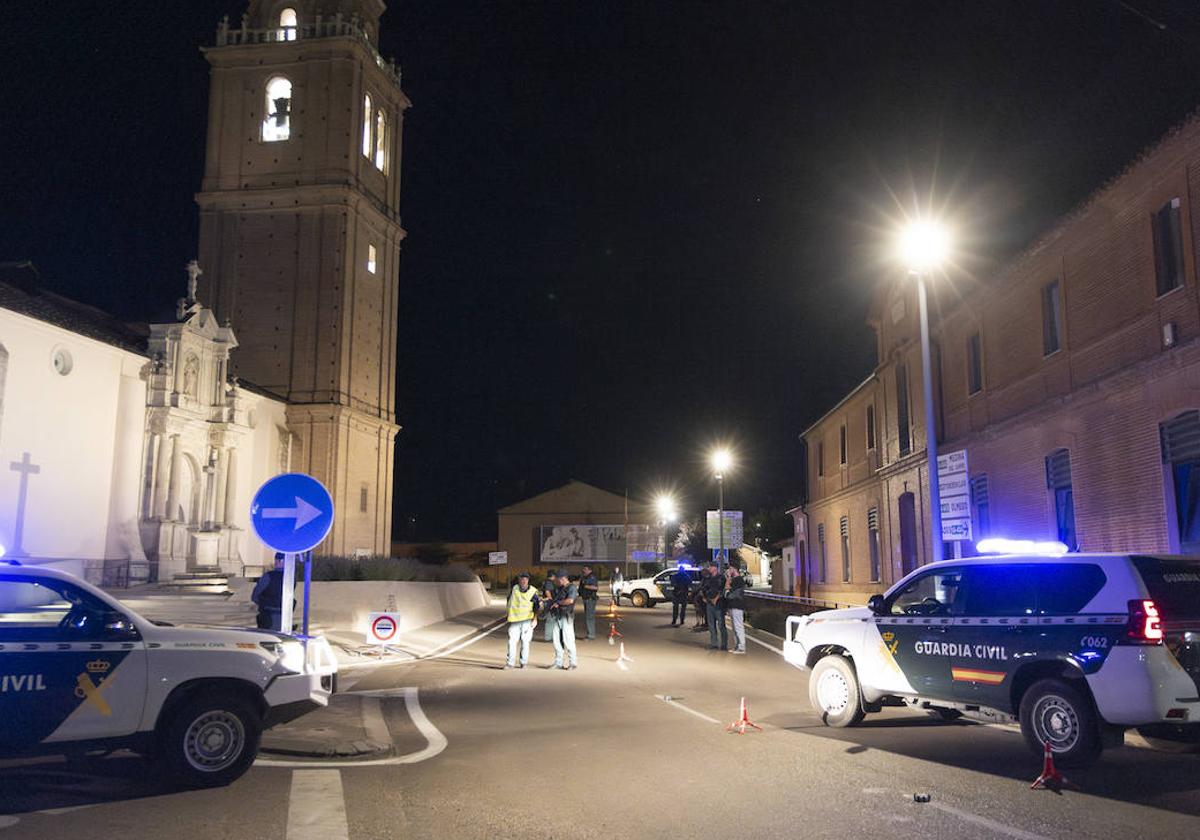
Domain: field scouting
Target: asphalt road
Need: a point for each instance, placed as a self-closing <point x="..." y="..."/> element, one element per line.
<point x="597" y="752"/>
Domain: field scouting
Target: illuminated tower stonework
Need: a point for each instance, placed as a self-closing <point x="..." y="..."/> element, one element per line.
<point x="300" y="237"/>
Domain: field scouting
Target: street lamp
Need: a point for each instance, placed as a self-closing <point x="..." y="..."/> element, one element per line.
<point x="924" y="246"/>
<point x="721" y="461"/>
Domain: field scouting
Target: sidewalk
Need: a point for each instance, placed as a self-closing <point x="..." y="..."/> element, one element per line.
<point x="352" y="726"/>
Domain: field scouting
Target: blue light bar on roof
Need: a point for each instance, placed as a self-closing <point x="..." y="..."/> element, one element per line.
<point x="1003" y="545"/>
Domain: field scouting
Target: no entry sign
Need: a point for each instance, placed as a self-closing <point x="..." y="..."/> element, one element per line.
<point x="382" y="627"/>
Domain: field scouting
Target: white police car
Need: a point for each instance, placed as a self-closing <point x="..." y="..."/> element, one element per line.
<point x="79" y="672"/>
<point x="648" y="591"/>
<point x="1077" y="647"/>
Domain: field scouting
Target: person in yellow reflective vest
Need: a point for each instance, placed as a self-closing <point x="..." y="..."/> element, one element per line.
<point x="522" y="618"/>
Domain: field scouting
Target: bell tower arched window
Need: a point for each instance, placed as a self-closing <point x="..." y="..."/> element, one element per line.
<point x="366" y="139"/>
<point x="287" y="25"/>
<point x="277" y="123"/>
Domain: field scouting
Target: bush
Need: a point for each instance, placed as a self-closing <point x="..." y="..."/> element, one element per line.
<point x="388" y="568"/>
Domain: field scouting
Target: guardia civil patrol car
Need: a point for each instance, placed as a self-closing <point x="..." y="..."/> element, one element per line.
<point x="1077" y="648"/>
<point x="80" y="673"/>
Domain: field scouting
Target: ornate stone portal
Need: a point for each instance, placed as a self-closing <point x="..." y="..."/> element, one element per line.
<point x="195" y="423"/>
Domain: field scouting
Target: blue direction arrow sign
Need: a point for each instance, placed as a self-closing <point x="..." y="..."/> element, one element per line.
<point x="292" y="512"/>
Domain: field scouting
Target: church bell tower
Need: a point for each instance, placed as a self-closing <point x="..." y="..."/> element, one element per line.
<point x="300" y="238"/>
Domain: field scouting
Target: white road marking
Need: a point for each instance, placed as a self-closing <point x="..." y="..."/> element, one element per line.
<point x="992" y="825"/>
<point x="672" y="702"/>
<point x="436" y="742"/>
<point x="764" y="644"/>
<point x="317" y="806"/>
<point x="431" y="654"/>
<point x="373" y="722"/>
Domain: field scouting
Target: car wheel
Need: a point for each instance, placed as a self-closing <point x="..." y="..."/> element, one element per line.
<point x="210" y="740"/>
<point x="639" y="599"/>
<point x="834" y="692"/>
<point x="1054" y="712"/>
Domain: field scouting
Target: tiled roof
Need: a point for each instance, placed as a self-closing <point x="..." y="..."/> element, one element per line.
<point x="19" y="292"/>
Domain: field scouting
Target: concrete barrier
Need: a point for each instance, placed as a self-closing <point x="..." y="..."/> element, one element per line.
<point x="343" y="605"/>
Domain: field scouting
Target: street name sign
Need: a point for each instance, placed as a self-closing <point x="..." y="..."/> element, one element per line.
<point x="955" y="492"/>
<point x="292" y="513"/>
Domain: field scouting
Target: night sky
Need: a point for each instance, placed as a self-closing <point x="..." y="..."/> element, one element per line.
<point x="635" y="228"/>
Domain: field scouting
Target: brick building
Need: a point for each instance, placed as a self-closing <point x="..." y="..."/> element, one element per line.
<point x="1071" y="376"/>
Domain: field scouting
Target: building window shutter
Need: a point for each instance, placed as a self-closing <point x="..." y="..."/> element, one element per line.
<point x="1181" y="438"/>
<point x="1058" y="470"/>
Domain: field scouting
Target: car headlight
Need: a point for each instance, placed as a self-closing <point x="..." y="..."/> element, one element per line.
<point x="291" y="655"/>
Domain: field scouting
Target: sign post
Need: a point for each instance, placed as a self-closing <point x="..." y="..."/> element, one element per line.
<point x="292" y="513"/>
<point x="500" y="558"/>
<point x="955" y="499"/>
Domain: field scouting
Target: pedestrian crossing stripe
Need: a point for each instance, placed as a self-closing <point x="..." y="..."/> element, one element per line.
<point x="976" y="675"/>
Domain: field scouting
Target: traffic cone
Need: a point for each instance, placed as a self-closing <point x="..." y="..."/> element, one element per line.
<point x="1051" y="779"/>
<point x="613" y="634"/>
<point x="623" y="657"/>
<point x="742" y="722"/>
<point x="613" y="613"/>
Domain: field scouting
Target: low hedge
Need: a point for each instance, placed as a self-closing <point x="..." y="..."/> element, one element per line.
<point x="388" y="568"/>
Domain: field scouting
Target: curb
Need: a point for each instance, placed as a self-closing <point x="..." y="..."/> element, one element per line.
<point x="301" y="748"/>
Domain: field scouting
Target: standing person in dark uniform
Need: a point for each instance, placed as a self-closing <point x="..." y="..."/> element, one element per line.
<point x="681" y="587"/>
<point x="698" y="604"/>
<point x="562" y="616"/>
<point x="735" y="604"/>
<point x="589" y="591"/>
<point x="268" y="596"/>
<point x="714" y="605"/>
<point x="547" y="597"/>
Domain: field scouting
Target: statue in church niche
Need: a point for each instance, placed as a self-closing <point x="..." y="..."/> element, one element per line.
<point x="191" y="373"/>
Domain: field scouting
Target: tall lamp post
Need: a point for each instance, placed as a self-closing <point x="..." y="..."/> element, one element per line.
<point x="666" y="515"/>
<point x="923" y="247"/>
<point x="721" y="461"/>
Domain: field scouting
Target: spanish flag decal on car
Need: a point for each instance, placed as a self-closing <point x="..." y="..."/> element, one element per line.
<point x="976" y="675"/>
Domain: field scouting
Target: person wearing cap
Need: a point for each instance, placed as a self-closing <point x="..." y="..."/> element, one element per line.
<point x="589" y="591"/>
<point x="681" y="587"/>
<point x="562" y="614"/>
<point x="522" y="618"/>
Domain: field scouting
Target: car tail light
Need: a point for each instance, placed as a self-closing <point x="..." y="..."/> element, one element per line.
<point x="1145" y="624"/>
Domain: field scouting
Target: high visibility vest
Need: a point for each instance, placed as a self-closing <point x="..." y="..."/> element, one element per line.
<point x="520" y="604"/>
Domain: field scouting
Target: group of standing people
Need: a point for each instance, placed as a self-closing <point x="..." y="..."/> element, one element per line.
<point x="720" y="593"/>
<point x="555" y="603"/>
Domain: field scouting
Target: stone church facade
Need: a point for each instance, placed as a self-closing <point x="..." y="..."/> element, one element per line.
<point x="282" y="357"/>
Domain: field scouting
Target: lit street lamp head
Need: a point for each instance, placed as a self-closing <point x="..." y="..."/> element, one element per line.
<point x="924" y="245"/>
<point x="721" y="461"/>
<point x="666" y="508"/>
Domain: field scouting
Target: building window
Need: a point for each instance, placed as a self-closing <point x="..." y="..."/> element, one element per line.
<point x="287" y="25"/>
<point x="820" y="457"/>
<point x="842" y="446"/>
<point x="1168" y="248"/>
<point x="381" y="141"/>
<point x="974" y="364"/>
<point x="870" y="427"/>
<point x="1181" y="455"/>
<point x="366" y="138"/>
<point x="983" y="507"/>
<point x="821" y="568"/>
<point x="845" y="528"/>
<point x="371" y="258"/>
<point x="902" y="428"/>
<point x="873" y="542"/>
<point x="363" y="497"/>
<point x="1051" y="318"/>
<point x="908" y="532"/>
<point x="1058" y="481"/>
<point x="278" y="122"/>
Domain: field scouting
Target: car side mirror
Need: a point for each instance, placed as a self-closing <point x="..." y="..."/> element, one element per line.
<point x="118" y="627"/>
<point x="876" y="605"/>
